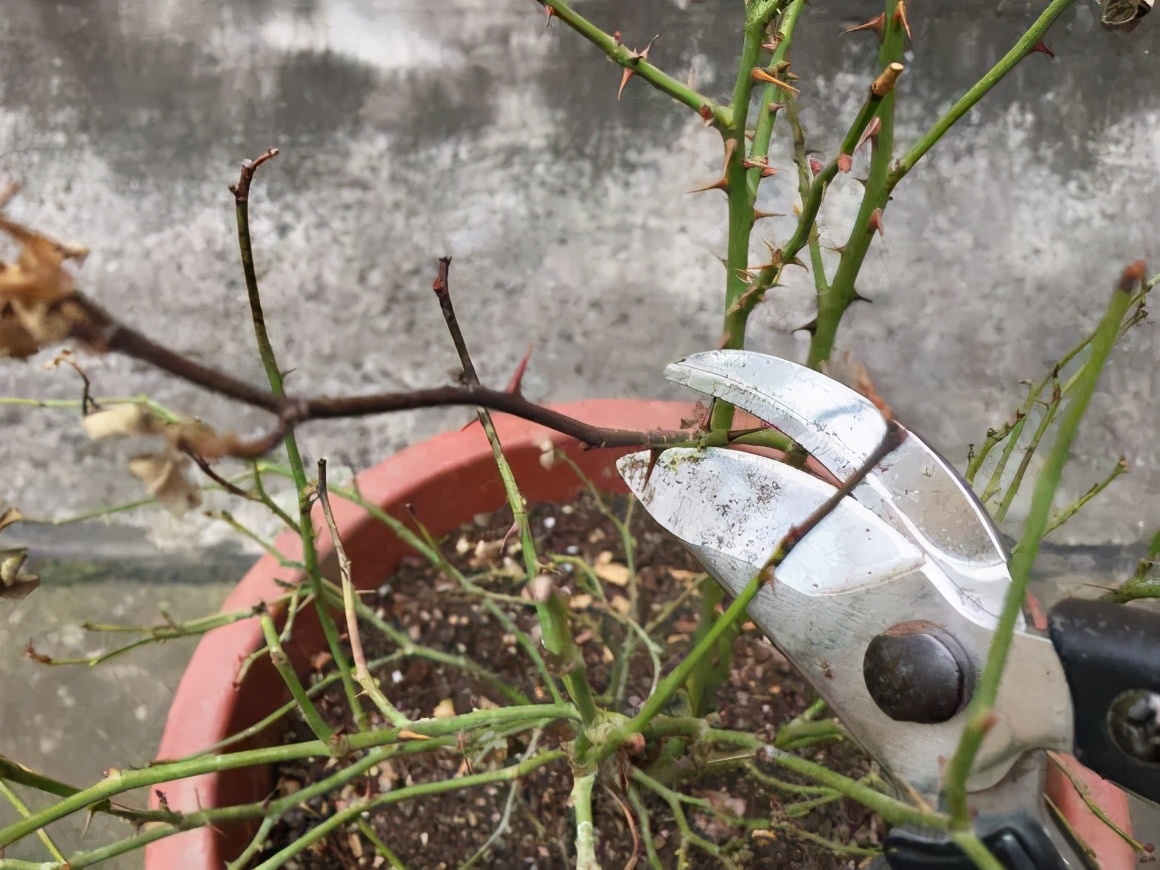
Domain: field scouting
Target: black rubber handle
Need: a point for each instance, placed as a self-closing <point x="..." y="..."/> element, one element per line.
<point x="1016" y="840"/>
<point x="1111" y="657"/>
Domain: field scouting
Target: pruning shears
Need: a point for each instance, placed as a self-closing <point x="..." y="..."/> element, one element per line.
<point x="889" y="606"/>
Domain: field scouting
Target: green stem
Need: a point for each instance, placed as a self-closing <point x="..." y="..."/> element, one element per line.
<point x="1072" y="509"/>
<point x="581" y="801"/>
<point x="297" y="466"/>
<point x="555" y="622"/>
<point x="631" y="60"/>
<point x="1025" y="460"/>
<point x="676" y="678"/>
<point x="20" y="807"/>
<point x="282" y="664"/>
<point x="967" y="101"/>
<point x="979" y="710"/>
<point x="352" y="813"/>
<point x="740" y="207"/>
<point x="835" y="299"/>
<point x="117" y="782"/>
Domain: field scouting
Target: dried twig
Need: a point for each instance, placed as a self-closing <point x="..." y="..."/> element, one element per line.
<point x="361" y="672"/>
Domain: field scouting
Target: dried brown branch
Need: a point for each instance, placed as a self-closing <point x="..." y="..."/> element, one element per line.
<point x="99" y="329"/>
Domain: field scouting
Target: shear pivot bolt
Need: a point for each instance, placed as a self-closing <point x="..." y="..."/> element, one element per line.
<point x="917" y="672"/>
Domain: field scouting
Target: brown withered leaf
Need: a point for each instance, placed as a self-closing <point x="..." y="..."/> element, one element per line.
<point x="38" y="275"/>
<point x="164" y="476"/>
<point x="26" y="327"/>
<point x="15" y="340"/>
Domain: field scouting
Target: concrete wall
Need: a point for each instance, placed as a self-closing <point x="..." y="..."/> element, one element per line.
<point x="413" y="129"/>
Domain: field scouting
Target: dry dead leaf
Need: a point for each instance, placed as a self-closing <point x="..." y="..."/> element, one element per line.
<point x="9" y="516"/>
<point x="609" y="571"/>
<point x="582" y="601"/>
<point x="117" y="420"/>
<point x="14" y="583"/>
<point x="164" y="476"/>
<point x="38" y="275"/>
<point x="445" y="709"/>
<point x="35" y="309"/>
<point x="620" y="604"/>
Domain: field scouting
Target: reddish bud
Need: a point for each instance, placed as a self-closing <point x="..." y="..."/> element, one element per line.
<point x="706" y="114"/>
<point x="845" y="162"/>
<point x="815" y="165"/>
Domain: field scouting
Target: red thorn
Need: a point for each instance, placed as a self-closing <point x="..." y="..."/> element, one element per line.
<point x="1041" y="47"/>
<point x="517" y="377"/>
<point x="900" y="18"/>
<point x="876" y="222"/>
<point x="876" y="25"/>
<point x="633" y="57"/>
<point x="723" y="341"/>
<point x="759" y="163"/>
<point x="871" y="132"/>
<point x="815" y="165"/>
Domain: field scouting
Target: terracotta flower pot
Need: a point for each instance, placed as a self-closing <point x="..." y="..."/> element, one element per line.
<point x="446" y="481"/>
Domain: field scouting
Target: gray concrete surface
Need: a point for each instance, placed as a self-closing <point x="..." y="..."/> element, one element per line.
<point x="412" y="129"/>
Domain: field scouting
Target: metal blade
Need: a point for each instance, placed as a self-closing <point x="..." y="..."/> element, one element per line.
<point x="915" y="490"/>
<point x="846" y="582"/>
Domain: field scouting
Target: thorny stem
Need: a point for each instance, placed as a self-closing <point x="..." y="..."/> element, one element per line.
<point x="979" y="716"/>
<point x="771" y="97"/>
<point x="553" y="614"/>
<point x="154" y="634"/>
<point x="968" y="100"/>
<point x="631" y="60"/>
<point x="1072" y="509"/>
<point x="834" y="301"/>
<point x="740" y="202"/>
<point x="241" y="192"/>
<point x="361" y="673"/>
<point x="1012" y="429"/>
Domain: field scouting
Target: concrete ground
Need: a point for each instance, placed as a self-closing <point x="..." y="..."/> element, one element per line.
<point x="410" y="130"/>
